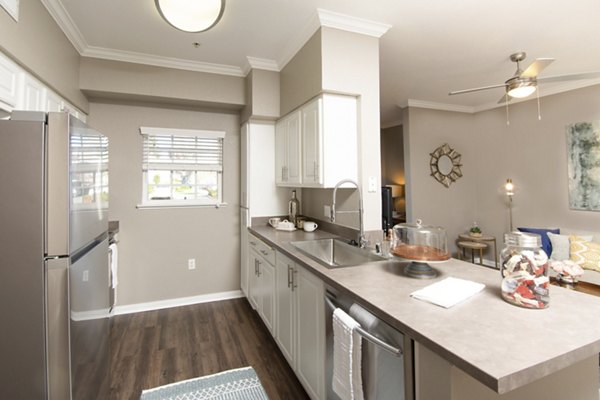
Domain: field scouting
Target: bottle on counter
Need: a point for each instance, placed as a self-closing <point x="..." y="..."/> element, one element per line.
<point x="293" y="209"/>
<point x="524" y="271"/>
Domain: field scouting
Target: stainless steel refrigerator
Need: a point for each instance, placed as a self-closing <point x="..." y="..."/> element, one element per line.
<point x="54" y="271"/>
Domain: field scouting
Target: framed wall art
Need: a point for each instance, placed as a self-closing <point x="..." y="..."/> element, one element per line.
<point x="583" y="164"/>
<point x="445" y="165"/>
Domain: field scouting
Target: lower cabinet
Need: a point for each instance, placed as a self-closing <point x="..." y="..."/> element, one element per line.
<point x="261" y="288"/>
<point x="300" y="323"/>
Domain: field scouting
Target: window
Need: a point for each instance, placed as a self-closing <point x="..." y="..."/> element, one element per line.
<point x="182" y="167"/>
<point x="89" y="170"/>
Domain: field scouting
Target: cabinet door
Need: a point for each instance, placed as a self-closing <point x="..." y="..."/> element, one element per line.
<point x="53" y="102"/>
<point x="294" y="143"/>
<point x="254" y="289"/>
<point x="9" y="74"/>
<point x="245" y="259"/>
<point x="280" y="150"/>
<point x="32" y="96"/>
<point x="285" y="306"/>
<point x="311" y="142"/>
<point x="267" y="292"/>
<point x="310" y="322"/>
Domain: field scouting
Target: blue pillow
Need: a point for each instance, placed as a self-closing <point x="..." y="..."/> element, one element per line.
<point x="546" y="243"/>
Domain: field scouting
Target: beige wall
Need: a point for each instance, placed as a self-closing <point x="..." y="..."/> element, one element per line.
<point x="156" y="244"/>
<point x="350" y="65"/>
<point x="533" y="154"/>
<point x="39" y="45"/>
<point x="301" y="78"/>
<point x="454" y="208"/>
<point x="115" y="79"/>
<point x="530" y="152"/>
<point x="262" y="95"/>
<point x="392" y="156"/>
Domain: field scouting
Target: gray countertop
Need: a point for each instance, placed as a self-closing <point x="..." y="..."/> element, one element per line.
<point x="501" y="345"/>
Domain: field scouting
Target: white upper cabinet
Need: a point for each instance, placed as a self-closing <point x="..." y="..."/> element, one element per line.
<point x="53" y="102"/>
<point x="311" y="142"/>
<point x="19" y="90"/>
<point x="9" y="75"/>
<point x="288" y="150"/>
<point x="328" y="146"/>
<point x="32" y="96"/>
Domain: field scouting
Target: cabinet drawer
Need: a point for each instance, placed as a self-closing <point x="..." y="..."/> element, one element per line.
<point x="262" y="248"/>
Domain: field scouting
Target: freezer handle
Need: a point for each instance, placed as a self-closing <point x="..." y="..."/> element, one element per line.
<point x="330" y="300"/>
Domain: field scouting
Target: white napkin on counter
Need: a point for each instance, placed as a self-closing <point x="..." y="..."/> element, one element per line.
<point x="448" y="292"/>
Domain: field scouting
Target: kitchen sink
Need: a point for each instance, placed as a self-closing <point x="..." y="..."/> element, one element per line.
<point x="334" y="253"/>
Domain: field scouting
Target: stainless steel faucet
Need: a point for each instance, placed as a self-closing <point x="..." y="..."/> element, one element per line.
<point x="362" y="242"/>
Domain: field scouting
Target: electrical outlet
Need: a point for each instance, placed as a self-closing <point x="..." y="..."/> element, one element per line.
<point x="86" y="276"/>
<point x="327" y="211"/>
<point x="192" y="263"/>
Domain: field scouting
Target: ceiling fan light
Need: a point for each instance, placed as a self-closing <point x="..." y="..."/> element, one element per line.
<point x="521" y="90"/>
<point x="191" y="15"/>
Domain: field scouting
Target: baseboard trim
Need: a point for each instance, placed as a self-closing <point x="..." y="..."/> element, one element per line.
<point x="178" y="302"/>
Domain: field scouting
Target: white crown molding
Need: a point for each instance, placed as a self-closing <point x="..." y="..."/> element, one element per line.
<point x="181" y="301"/>
<point x="320" y="18"/>
<point x="331" y="20"/>
<point x="299" y="40"/>
<point x="64" y="21"/>
<point x="260" y="63"/>
<point x="11" y="7"/>
<point x="158" y="61"/>
<point x="437" y="106"/>
<point x="349" y="23"/>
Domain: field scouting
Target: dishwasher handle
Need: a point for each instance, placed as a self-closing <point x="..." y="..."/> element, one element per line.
<point x="366" y="335"/>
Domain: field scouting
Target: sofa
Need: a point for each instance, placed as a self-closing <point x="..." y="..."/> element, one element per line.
<point x="582" y="247"/>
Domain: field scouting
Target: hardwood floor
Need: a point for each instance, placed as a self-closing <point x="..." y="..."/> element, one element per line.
<point x="159" y="347"/>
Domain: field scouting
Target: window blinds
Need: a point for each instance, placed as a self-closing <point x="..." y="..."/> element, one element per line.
<point x="182" y="149"/>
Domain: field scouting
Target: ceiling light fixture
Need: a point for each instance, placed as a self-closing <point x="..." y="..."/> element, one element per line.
<point x="520" y="87"/>
<point x="191" y="15"/>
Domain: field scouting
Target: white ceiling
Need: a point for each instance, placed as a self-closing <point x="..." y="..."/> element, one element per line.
<point x="433" y="46"/>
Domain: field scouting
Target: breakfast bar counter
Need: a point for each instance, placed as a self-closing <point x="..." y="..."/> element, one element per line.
<point x="502" y="346"/>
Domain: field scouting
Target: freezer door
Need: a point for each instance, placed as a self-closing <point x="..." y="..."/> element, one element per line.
<point x="89" y="295"/>
<point x="88" y="172"/>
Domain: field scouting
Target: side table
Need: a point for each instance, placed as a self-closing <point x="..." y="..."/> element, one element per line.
<point x="482" y="239"/>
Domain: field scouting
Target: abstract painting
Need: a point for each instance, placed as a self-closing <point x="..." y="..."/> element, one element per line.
<point x="583" y="152"/>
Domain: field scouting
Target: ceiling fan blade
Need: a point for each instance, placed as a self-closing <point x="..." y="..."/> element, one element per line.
<point x="476" y="89"/>
<point x="505" y="99"/>
<point x="536" y="67"/>
<point x="570" y="77"/>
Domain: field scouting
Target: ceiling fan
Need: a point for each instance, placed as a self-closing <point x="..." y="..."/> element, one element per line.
<point x="524" y="82"/>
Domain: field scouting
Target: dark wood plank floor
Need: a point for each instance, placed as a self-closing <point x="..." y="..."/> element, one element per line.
<point x="159" y="347"/>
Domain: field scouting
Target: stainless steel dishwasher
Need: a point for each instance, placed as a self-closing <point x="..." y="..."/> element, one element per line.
<point x="387" y="361"/>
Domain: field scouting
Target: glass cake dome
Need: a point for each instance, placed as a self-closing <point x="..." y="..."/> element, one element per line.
<point x="420" y="244"/>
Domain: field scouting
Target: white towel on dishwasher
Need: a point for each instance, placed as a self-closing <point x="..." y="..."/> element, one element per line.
<point x="114" y="264"/>
<point x="347" y="374"/>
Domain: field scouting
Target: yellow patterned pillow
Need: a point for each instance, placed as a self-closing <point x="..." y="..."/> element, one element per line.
<point x="584" y="253"/>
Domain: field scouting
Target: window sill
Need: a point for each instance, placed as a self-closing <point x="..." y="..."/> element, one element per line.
<point x="146" y="206"/>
